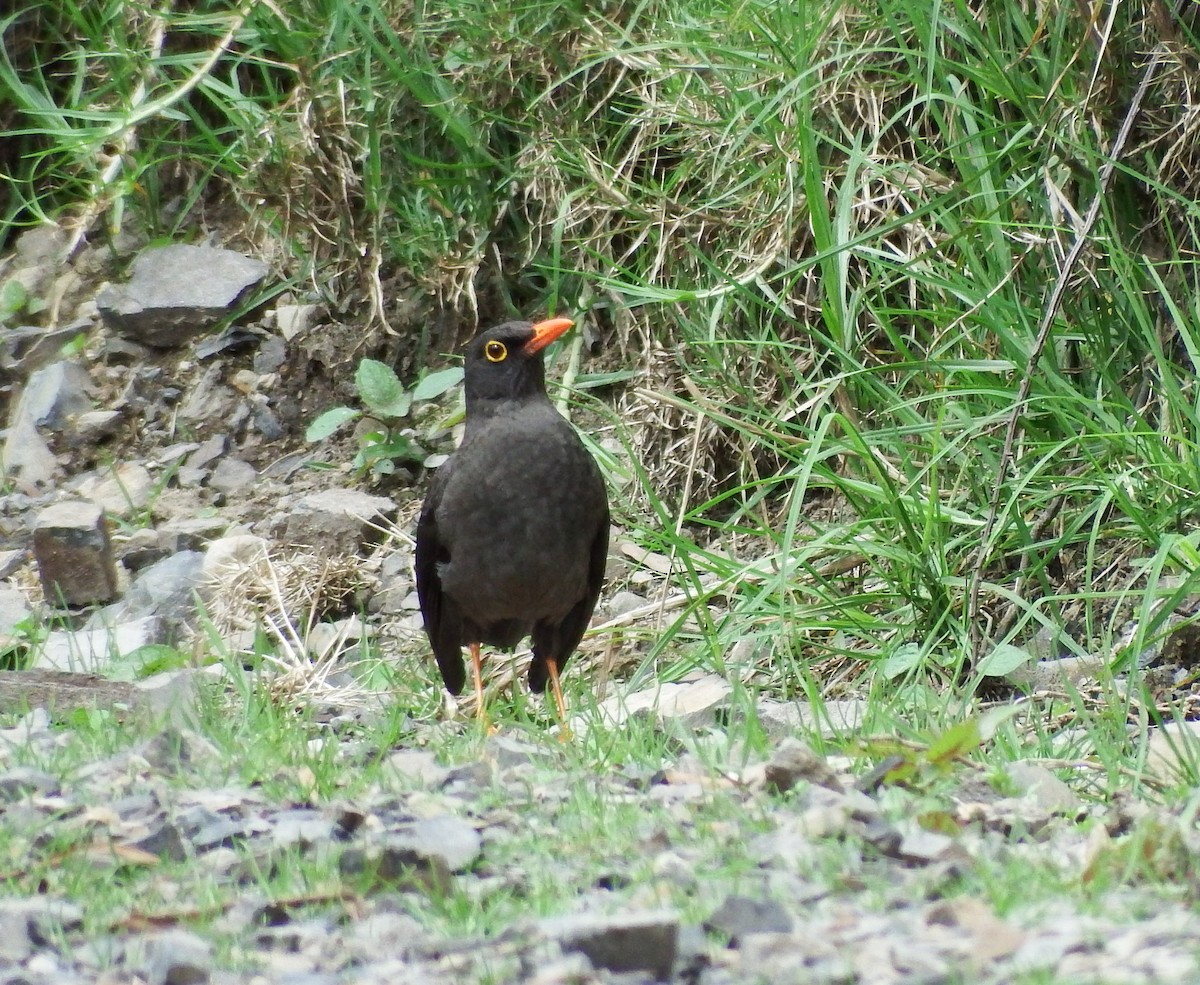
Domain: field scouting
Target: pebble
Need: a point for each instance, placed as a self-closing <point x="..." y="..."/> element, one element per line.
<point x="178" y="957"/>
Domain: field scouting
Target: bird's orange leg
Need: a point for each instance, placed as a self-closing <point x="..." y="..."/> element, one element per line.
<point x="564" y="733"/>
<point x="477" y="671"/>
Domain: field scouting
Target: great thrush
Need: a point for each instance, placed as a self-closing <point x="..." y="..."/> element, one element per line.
<point x="513" y="535"/>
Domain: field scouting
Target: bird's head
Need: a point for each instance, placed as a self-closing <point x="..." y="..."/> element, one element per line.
<point x="505" y="363"/>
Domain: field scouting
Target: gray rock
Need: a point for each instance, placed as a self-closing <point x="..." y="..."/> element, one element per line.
<point x="417" y="767"/>
<point x="118" y="351"/>
<point x="446" y="837"/>
<point x="211" y="400"/>
<point x="173" y="453"/>
<point x="295" y="319"/>
<point x="794" y="762"/>
<point x="270" y="355"/>
<point x="40" y="245"/>
<point x="163" y="840"/>
<point x="166" y="589"/>
<point x="20" y="781"/>
<point x="29" y="923"/>
<point x="140" y="549"/>
<point x="74" y="555"/>
<point x="469" y="779"/>
<point x="178" y="292"/>
<point x="1054" y="674"/>
<point x="335" y="521"/>
<point x="173" y="695"/>
<point x="563" y="969"/>
<point x="832" y="718"/>
<point x="508" y="751"/>
<point x="623" y="602"/>
<point x="176" y="748"/>
<point x="1043" y="787"/>
<point x="628" y="942"/>
<point x="34" y="282"/>
<point x="672" y="867"/>
<point x="232" y="475"/>
<point x="396" y="581"/>
<point x="1170" y="751"/>
<point x="696" y="704"/>
<point x="739" y="916"/>
<point x="54" y="394"/>
<point x="121" y="491"/>
<point x="191" y="533"/>
<point x="51" y="397"/>
<point x="229" y="341"/>
<point x="13" y="611"/>
<point x="395" y="864"/>
<point x="384" y="933"/>
<point x="301" y="828"/>
<point x="62" y="693"/>
<point x="207" y="452"/>
<point x="178" y="957"/>
<point x="93" y="426"/>
<point x="27" y="348"/>
<point x="220" y="832"/>
<point x="299" y="943"/>
<point x="28" y="461"/>
<point x="263" y="417"/>
<point x="920" y="847"/>
<point x="12" y="561"/>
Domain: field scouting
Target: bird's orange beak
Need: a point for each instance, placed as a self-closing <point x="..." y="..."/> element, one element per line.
<point x="545" y="332"/>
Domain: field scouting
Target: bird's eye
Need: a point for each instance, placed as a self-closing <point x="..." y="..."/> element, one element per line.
<point x="496" y="352"/>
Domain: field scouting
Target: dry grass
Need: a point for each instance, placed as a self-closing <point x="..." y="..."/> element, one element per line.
<point x="250" y="590"/>
<point x="823" y="236"/>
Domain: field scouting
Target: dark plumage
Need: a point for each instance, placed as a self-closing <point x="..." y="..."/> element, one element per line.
<point x="513" y="535"/>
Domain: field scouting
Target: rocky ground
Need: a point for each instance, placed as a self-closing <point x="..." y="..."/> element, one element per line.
<point x="150" y="460"/>
<point x="790" y="871"/>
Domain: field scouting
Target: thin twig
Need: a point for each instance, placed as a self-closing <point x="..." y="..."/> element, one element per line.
<point x="1039" y="345"/>
<point x="121" y="137"/>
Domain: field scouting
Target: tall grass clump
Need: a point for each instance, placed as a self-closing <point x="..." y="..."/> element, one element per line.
<point x="824" y="232"/>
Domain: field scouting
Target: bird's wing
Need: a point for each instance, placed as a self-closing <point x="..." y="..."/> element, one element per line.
<point x="561" y="640"/>
<point x="443" y="622"/>
<point x="597" y="562"/>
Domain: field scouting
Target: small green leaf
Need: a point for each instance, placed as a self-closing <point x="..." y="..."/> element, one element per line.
<point x="958" y="740"/>
<point x="1004" y="659"/>
<point x="330" y="421"/>
<point x="395" y="446"/>
<point x="435" y="384"/>
<point x="381" y="390"/>
<point x="151" y="659"/>
<point x="901" y="661"/>
<point x="13" y="299"/>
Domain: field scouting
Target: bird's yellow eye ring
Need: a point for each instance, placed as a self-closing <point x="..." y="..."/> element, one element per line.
<point x="496" y="352"/>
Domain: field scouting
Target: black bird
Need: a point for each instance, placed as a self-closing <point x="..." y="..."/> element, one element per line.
<point x="513" y="535"/>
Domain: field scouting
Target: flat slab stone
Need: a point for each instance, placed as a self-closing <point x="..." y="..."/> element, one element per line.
<point x="335" y="521"/>
<point x="178" y="292"/>
<point x="624" y="942"/>
<point x="696" y="704"/>
<point x="90" y="650"/>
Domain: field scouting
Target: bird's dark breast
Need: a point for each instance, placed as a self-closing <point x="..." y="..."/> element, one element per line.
<point x="517" y="519"/>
